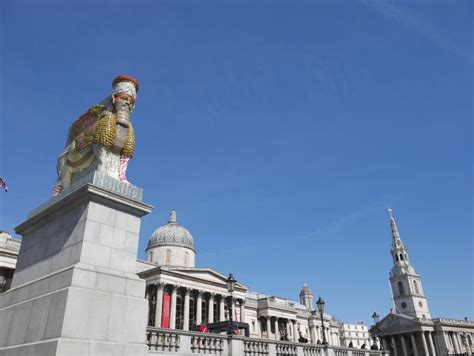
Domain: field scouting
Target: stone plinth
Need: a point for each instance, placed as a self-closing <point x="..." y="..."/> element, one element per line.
<point x="75" y="291"/>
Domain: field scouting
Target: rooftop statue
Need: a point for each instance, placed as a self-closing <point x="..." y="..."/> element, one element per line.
<point x="102" y="139"/>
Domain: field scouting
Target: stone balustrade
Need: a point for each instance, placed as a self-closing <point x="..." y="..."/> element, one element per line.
<point x="178" y="342"/>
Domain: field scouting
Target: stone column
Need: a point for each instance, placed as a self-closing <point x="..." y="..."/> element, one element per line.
<point x="413" y="344"/>
<point x="277" y="332"/>
<point x="186" y="310"/>
<point x="174" y="293"/>
<point x="312" y="333"/>
<point x="453" y="342"/>
<point x="393" y="341"/>
<point x="295" y="331"/>
<point x="430" y="340"/>
<point x="159" y="304"/>
<point x="199" y="308"/>
<point x="269" y="327"/>
<point x="210" y="310"/>
<point x="404" y="346"/>
<point x="288" y="327"/>
<point x="425" y="345"/>
<point x="461" y="345"/>
<point x="385" y="344"/>
<point x="222" y="308"/>
<point x="457" y="345"/>
<point x="242" y="310"/>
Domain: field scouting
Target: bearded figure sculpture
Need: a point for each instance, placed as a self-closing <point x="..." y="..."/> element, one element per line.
<point x="102" y="139"/>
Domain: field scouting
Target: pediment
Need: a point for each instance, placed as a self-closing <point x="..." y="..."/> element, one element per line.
<point x="206" y="275"/>
<point x="393" y="323"/>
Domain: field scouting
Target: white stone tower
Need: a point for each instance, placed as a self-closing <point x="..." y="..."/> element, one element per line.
<point x="306" y="297"/>
<point x="407" y="291"/>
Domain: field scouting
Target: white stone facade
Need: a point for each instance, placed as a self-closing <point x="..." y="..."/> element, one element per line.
<point x="355" y="335"/>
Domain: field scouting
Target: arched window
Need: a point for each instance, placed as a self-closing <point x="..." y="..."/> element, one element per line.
<point x="396" y="257"/>
<point x="150" y="257"/>
<point x="401" y="257"/>
<point x="168" y="256"/>
<point x="400" y="288"/>
<point x="186" y="258"/>
<point x="416" y="287"/>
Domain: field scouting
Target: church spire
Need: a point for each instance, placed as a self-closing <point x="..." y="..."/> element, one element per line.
<point x="399" y="252"/>
<point x="393" y="225"/>
<point x="407" y="292"/>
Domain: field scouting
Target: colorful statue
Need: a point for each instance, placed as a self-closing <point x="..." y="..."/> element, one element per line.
<point x="102" y="139"/>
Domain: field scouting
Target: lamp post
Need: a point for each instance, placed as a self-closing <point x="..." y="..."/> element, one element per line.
<point x="230" y="282"/>
<point x="320" y="303"/>
<point x="375" y="332"/>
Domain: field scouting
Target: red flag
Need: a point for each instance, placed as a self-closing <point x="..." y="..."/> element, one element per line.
<point x="165" y="314"/>
<point x="3" y="185"/>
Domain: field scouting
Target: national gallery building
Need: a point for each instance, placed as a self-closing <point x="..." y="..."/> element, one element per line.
<point x="182" y="296"/>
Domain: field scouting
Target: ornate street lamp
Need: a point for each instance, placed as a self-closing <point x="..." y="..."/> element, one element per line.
<point x="320" y="303"/>
<point x="376" y="332"/>
<point x="230" y="282"/>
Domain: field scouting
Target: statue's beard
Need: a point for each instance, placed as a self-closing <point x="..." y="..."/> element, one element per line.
<point x="123" y="115"/>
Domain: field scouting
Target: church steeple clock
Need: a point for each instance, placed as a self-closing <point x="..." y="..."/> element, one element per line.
<point x="407" y="291"/>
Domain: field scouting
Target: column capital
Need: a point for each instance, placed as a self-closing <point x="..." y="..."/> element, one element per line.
<point x="212" y="295"/>
<point x="160" y="285"/>
<point x="200" y="293"/>
<point x="174" y="288"/>
<point x="187" y="291"/>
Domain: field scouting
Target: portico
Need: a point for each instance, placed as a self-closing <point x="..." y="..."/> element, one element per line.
<point x="185" y="298"/>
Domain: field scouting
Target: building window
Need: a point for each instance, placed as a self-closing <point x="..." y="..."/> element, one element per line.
<point x="150" y="257"/>
<point x="416" y="287"/>
<point x="186" y="258"/>
<point x="192" y="311"/>
<point x="215" y="307"/>
<point x="400" y="288"/>
<point x="204" y="309"/>
<point x="253" y="325"/>
<point x="168" y="256"/>
<point x="179" y="312"/>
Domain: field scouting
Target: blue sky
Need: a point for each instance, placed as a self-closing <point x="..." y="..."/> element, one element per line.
<point x="280" y="131"/>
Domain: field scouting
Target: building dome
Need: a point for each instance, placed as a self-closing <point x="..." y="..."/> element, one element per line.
<point x="171" y="245"/>
<point x="171" y="234"/>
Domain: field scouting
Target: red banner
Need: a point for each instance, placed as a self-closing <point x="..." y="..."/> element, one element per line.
<point x="165" y="311"/>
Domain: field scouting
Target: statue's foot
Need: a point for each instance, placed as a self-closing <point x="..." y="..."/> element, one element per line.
<point x="57" y="189"/>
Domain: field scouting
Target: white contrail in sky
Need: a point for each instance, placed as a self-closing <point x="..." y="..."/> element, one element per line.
<point x="412" y="22"/>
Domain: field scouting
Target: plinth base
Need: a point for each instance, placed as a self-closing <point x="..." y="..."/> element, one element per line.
<point x="75" y="291"/>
